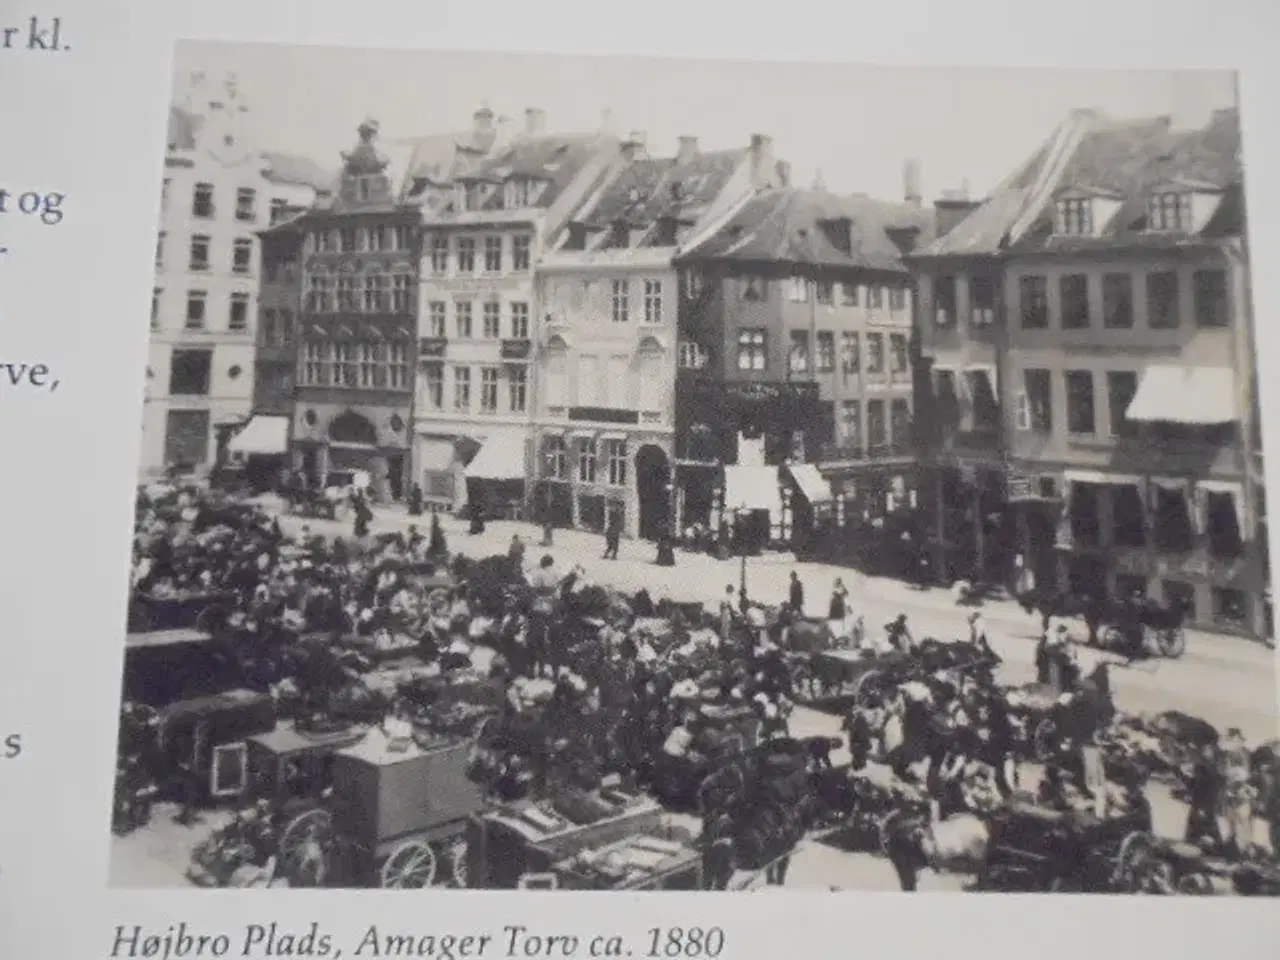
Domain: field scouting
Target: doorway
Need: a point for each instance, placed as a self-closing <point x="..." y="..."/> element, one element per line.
<point x="653" y="490"/>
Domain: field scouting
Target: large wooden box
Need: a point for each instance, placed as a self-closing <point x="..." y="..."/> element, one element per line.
<point x="381" y="795"/>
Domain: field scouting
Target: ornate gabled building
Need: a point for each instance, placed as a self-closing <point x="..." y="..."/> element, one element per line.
<point x="220" y="188"/>
<point x="486" y="225"/>
<point x="796" y="331"/>
<point x="358" y="322"/>
<point x="609" y="295"/>
<point x="1121" y="414"/>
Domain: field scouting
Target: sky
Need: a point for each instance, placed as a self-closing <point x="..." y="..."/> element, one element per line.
<point x="854" y="125"/>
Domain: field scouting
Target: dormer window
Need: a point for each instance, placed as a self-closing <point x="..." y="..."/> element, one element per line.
<point x="474" y="196"/>
<point x="519" y="193"/>
<point x="1169" y="212"/>
<point x="1075" y="217"/>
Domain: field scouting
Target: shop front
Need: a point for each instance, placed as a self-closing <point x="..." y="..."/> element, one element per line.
<point x="258" y="453"/>
<point x="331" y="442"/>
<point x="496" y="476"/>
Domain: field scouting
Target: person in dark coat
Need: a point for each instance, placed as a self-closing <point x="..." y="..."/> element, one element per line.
<point x="795" y="597"/>
<point x="613" y="535"/>
<point x="1205" y="787"/>
<point x="475" y="510"/>
<point x="363" y="515"/>
<point x="415" y="500"/>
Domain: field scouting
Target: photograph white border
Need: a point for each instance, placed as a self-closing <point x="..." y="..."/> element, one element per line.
<point x="89" y="122"/>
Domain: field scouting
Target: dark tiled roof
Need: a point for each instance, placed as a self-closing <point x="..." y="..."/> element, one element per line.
<point x="1103" y="157"/>
<point x="653" y="188"/>
<point x="790" y="225"/>
<point x="554" y="159"/>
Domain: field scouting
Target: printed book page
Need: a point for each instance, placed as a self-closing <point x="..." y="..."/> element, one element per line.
<point x="463" y="462"/>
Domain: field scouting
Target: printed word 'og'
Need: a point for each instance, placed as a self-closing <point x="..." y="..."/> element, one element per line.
<point x="47" y="207"/>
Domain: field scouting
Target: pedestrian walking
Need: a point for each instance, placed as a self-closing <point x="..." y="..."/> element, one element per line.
<point x="1238" y="794"/>
<point x="515" y="552"/>
<point x="1204" y="798"/>
<point x="838" y="610"/>
<point x="795" y="595"/>
<point x="726" y="612"/>
<point x="613" y="535"/>
<point x="415" y="500"/>
<point x="475" y="510"/>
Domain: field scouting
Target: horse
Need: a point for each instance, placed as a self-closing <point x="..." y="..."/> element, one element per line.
<point x="960" y="844"/>
<point x="1064" y="603"/>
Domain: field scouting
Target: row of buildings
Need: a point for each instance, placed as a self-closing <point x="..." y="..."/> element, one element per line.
<point x="573" y="326"/>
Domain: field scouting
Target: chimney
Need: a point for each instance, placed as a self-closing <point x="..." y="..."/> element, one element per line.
<point x="634" y="145"/>
<point x="506" y="132"/>
<point x="687" y="150"/>
<point x="765" y="170"/>
<point x="535" y="122"/>
<point x="911" y="190"/>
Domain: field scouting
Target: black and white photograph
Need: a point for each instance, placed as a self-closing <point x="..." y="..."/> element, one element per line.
<point x="620" y="473"/>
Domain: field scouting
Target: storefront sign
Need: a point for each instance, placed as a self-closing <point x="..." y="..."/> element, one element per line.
<point x="603" y="415"/>
<point x="1197" y="567"/>
<point x="760" y="390"/>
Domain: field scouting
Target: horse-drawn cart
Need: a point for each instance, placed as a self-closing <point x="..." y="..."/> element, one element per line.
<point x="729" y="733"/>
<point x="607" y="839"/>
<point x="395" y="818"/>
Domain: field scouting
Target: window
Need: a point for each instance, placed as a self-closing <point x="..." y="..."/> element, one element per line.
<point x="1169" y="212"/>
<point x="1038" y="387"/>
<point x="268" y="332"/>
<point x="875" y="298"/>
<point x="466" y="255"/>
<point x="190" y="373"/>
<point x="155" y="308"/>
<point x="984" y="406"/>
<point x="1162" y="300"/>
<point x="521" y="256"/>
<point x="1230" y="607"/>
<point x="690" y="355"/>
<point x="433" y="385"/>
<point x="751" y="350"/>
<point x="202" y="201"/>
<point x="1222" y="523"/>
<point x="945" y="302"/>
<point x="379" y="239"/>
<point x="519" y="320"/>
<point x="849" y="294"/>
<point x="374" y="297"/>
<point x="1073" y="290"/>
<point x="621" y="301"/>
<point x="850" y="353"/>
<point x="493" y="254"/>
<point x="877" y="428"/>
<point x="488" y="389"/>
<point x="518" y="388"/>
<point x="344" y="371"/>
<point x="1171" y="518"/>
<point x="348" y="295"/>
<point x="315" y="368"/>
<point x="246" y="201"/>
<point x="462" y="319"/>
<point x="755" y="288"/>
<point x="1121" y="386"/>
<point x="798" y="290"/>
<point x="553" y="450"/>
<point x="492" y="319"/>
<point x="197" y="304"/>
<point x="199" y="253"/>
<point x="324" y="240"/>
<point x="1035" y="302"/>
<point x="616" y="462"/>
<point x="474" y="195"/>
<point x="1080" y="412"/>
<point x="160" y="250"/>
<point x="1210" y="291"/>
<point x="1128" y="523"/>
<point x="1086" y="514"/>
<point x="826" y="351"/>
<point x="897" y="298"/>
<point x="799" y="362"/>
<point x="439" y="253"/>
<point x="898" y="353"/>
<point x="279" y="209"/>
<point x="587" y="462"/>
<point x="319" y="293"/>
<point x="398" y="367"/>
<point x="851" y="423"/>
<point x="825" y="291"/>
<point x="372" y="372"/>
<point x="653" y="301"/>
<point x="946" y="397"/>
<point x="875" y="353"/>
<point x="402" y="237"/>
<point x="982" y="301"/>
<point x="238" y="315"/>
<point x="1075" y="217"/>
<point x="900" y="422"/>
<point x="1117" y="301"/>
<point x="242" y="255"/>
<point x="462" y="389"/>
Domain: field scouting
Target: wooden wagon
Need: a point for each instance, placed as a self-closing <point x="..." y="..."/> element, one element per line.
<point x="395" y="818"/>
<point x="579" y="840"/>
<point x="205" y="741"/>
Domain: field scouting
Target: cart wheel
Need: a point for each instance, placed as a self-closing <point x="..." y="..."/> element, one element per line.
<point x="1131" y="862"/>
<point x="456" y="857"/>
<point x="1044" y="740"/>
<point x="411" y="866"/>
<point x="1110" y="638"/>
<point x="865" y="686"/>
<point x="1195" y="885"/>
<point x="1172" y="642"/>
<point x="304" y="848"/>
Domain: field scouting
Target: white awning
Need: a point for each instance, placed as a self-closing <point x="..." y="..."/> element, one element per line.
<point x="501" y="458"/>
<point x="752" y="488"/>
<point x="815" y="487"/>
<point x="1198" y="396"/>
<point x="263" y="435"/>
<point x="436" y="455"/>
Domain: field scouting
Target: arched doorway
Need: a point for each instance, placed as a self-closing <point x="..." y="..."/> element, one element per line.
<point x="653" y="491"/>
<point x="352" y="429"/>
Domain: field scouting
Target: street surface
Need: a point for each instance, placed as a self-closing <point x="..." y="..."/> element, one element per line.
<point x="1226" y="681"/>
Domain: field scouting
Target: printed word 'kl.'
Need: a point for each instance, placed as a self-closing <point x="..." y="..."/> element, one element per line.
<point x="36" y="35"/>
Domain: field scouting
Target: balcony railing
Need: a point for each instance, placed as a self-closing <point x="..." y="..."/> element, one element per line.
<point x="432" y="346"/>
<point x="517" y="348"/>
